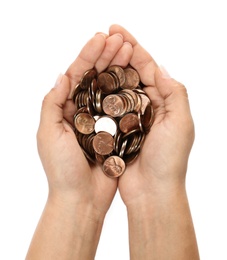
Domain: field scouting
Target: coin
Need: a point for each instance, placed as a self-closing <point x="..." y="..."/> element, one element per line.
<point x="87" y="78"/>
<point x="114" y="166"/>
<point x="145" y="101"/>
<point x="132" y="78"/>
<point x="106" y="124"/>
<point x="98" y="101"/>
<point x="106" y="82"/>
<point x="147" y="118"/>
<point x="84" y="123"/>
<point x="131" y="157"/>
<point x="103" y="143"/>
<point x="129" y="122"/>
<point x="77" y="89"/>
<point x="119" y="72"/>
<point x="100" y="158"/>
<point x="112" y="116"/>
<point x="114" y="105"/>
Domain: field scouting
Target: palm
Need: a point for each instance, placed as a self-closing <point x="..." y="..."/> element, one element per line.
<point x="139" y="176"/>
<point x="99" y="52"/>
<point x="170" y="137"/>
<point x="82" y="175"/>
<point x="171" y="134"/>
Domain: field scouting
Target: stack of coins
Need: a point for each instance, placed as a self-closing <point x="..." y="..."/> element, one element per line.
<point x="113" y="115"/>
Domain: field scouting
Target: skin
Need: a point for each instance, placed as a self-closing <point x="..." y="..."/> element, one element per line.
<point x="152" y="188"/>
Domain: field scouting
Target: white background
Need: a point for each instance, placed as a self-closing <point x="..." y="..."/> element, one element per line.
<point x="40" y="39"/>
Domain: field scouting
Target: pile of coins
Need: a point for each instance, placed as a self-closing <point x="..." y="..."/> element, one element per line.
<point x="113" y="115"/>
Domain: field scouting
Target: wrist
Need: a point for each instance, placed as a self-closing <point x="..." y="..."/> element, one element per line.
<point x="158" y="196"/>
<point x="73" y="205"/>
<point x="160" y="220"/>
<point x="75" y="229"/>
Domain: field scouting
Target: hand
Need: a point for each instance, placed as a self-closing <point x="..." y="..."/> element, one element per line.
<point x="162" y="162"/>
<point x="79" y="194"/>
<point x="153" y="186"/>
<point x="70" y="176"/>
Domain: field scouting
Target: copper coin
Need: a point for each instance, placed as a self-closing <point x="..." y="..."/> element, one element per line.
<point x="81" y="110"/>
<point x="132" y="96"/>
<point x="106" y="82"/>
<point x="132" y="78"/>
<point x="129" y="122"/>
<point x="119" y="71"/>
<point x="123" y="147"/>
<point x="90" y="107"/>
<point x="130" y="100"/>
<point x="112" y="116"/>
<point x="87" y="155"/>
<point x="129" y="134"/>
<point x="113" y="105"/>
<point x="116" y="79"/>
<point x="87" y="144"/>
<point x="117" y="141"/>
<point x="138" y="104"/>
<point x="100" y="158"/>
<point x="131" y="157"/>
<point x="145" y="102"/>
<point x="84" y="123"/>
<point x="98" y="101"/>
<point x="92" y="90"/>
<point x="134" y="143"/>
<point x="76" y="90"/>
<point x="87" y="78"/>
<point x="103" y="143"/>
<point x="114" y="166"/>
<point x="147" y="118"/>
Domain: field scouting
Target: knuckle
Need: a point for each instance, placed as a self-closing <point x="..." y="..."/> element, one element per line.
<point x="181" y="88"/>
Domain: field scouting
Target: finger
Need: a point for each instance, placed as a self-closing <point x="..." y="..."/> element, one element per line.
<point x="123" y="56"/>
<point x="86" y="59"/>
<point x="53" y="103"/>
<point x="141" y="60"/>
<point x="113" y="44"/>
<point x="122" y="59"/>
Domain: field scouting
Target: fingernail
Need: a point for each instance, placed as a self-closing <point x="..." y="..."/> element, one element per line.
<point x="58" y="81"/>
<point x="128" y="43"/>
<point x="164" y="72"/>
<point x="119" y="35"/>
<point x="102" y="34"/>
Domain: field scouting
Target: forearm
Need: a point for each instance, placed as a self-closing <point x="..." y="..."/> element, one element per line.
<point x="66" y="232"/>
<point x="162" y="228"/>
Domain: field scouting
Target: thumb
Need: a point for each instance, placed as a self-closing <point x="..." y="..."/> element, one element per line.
<point x="173" y="93"/>
<point x="54" y="101"/>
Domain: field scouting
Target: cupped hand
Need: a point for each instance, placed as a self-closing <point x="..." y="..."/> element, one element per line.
<point x="162" y="163"/>
<point x="71" y="177"/>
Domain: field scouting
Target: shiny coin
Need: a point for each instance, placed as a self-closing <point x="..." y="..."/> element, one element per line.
<point x="106" y="124"/>
<point x="129" y="122"/>
<point x="119" y="71"/>
<point x="88" y="76"/>
<point x="132" y="78"/>
<point x="77" y="89"/>
<point x="112" y="116"/>
<point x="147" y="119"/>
<point x="106" y="82"/>
<point x="84" y="123"/>
<point x="145" y="101"/>
<point x="114" y="105"/>
<point x="114" y="166"/>
<point x="103" y="143"/>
